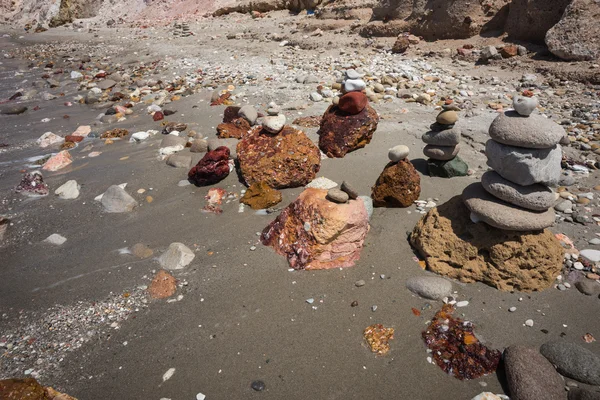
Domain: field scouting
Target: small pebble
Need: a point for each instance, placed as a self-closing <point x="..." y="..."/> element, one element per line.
<point x="337" y="196"/>
<point x="259" y="386"/>
<point x="529" y="322"/>
<point x="512" y="309"/>
<point x="359" y="283"/>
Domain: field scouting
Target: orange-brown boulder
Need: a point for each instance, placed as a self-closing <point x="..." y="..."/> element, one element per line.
<point x="163" y="285"/>
<point x="286" y="159"/>
<point x="234" y="129"/>
<point x="454" y="246"/>
<point x="399" y="185"/>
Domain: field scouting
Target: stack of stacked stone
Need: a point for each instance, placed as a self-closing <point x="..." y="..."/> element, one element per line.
<point x="349" y="124"/>
<point x="442" y="145"/>
<point x="526" y="158"/>
<point x="181" y="29"/>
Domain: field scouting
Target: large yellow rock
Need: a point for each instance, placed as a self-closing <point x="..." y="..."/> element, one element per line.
<point x="456" y="247"/>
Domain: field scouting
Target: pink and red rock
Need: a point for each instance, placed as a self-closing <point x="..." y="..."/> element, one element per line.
<point x="73" y="138"/>
<point x="212" y="168"/>
<point x="158" y="116"/>
<point x="399" y="185"/>
<point x="287" y="159"/>
<point x="341" y="133"/>
<point x="33" y="184"/>
<point x="315" y="233"/>
<point x="58" y="161"/>
<point x="353" y="103"/>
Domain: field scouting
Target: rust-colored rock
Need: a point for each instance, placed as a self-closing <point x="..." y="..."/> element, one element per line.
<point x="29" y="389"/>
<point x="115" y="133"/>
<point x="352" y="103"/>
<point x="287" y="159"/>
<point x="401" y="45"/>
<point x="163" y="285"/>
<point x="315" y="233"/>
<point x="230" y="114"/>
<point x="212" y="168"/>
<point x="399" y="185"/>
<point x="73" y="138"/>
<point x="234" y="129"/>
<point x="260" y="196"/>
<point x="456" y="247"/>
<point x="508" y="51"/>
<point x="341" y="133"/>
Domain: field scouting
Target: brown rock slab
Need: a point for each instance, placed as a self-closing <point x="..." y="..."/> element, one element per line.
<point x="456" y="247"/>
<point x="315" y="233"/>
<point x="399" y="185"/>
<point x="163" y="285"/>
<point x="401" y="45"/>
<point x="234" y="129"/>
<point x="286" y="159"/>
<point x="503" y="215"/>
<point x="260" y="196"/>
<point x="341" y="133"/>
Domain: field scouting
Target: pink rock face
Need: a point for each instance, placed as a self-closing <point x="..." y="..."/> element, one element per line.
<point x="315" y="233"/>
<point x="58" y="161"/>
<point x="82" y="131"/>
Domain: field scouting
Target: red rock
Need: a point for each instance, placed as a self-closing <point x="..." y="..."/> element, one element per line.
<point x="212" y="168"/>
<point x="73" y="138"/>
<point x="402" y="44"/>
<point x="353" y="103"/>
<point x="287" y="159"/>
<point x="235" y="129"/>
<point x="158" y="116"/>
<point x="163" y="285"/>
<point x="315" y="233"/>
<point x="509" y="50"/>
<point x="260" y="196"/>
<point x="399" y="185"/>
<point x="230" y="114"/>
<point x="58" y="161"/>
<point x="341" y="133"/>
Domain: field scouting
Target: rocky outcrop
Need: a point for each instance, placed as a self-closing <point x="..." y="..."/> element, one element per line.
<point x="456" y="247"/>
<point x="286" y="159"/>
<point x="577" y="35"/>
<point x="341" y="133"/>
<point x="529" y="20"/>
<point x="315" y="233"/>
<point x="268" y="5"/>
<point x="399" y="185"/>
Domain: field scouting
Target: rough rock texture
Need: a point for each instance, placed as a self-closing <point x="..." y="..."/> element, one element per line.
<point x="456" y="247"/>
<point x="573" y="361"/>
<point x="260" y="196"/>
<point x="583" y="394"/>
<point x="503" y="215"/>
<point x="577" y="35"/>
<point x="442" y="19"/>
<point x="163" y="285"/>
<point x="341" y="133"/>
<point x="524" y="166"/>
<point x="529" y="20"/>
<point x="399" y="185"/>
<point x="533" y="197"/>
<point x="287" y="159"/>
<point x="530" y="376"/>
<point x="401" y="45"/>
<point x="534" y="131"/>
<point x="212" y="168"/>
<point x="235" y="129"/>
<point x="58" y="161"/>
<point x="231" y="113"/>
<point x="315" y="233"/>
<point x="29" y="389"/>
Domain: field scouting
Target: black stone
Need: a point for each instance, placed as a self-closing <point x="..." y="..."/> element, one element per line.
<point x="259" y="386"/>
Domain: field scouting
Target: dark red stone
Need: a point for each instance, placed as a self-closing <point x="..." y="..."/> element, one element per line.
<point x="341" y="133"/>
<point x="74" y="139"/>
<point x="158" y="116"/>
<point x="230" y="113"/>
<point x="353" y="102"/>
<point x="212" y="168"/>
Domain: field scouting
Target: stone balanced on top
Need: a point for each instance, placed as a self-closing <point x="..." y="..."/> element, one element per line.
<point x="526" y="158"/>
<point x="350" y="124"/>
<point x="443" y="145"/>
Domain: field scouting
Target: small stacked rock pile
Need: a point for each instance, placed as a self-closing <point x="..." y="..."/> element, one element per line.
<point x="526" y="158"/>
<point x="350" y="124"/>
<point x="181" y="29"/>
<point x="443" y="145"/>
<point x="399" y="185"/>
